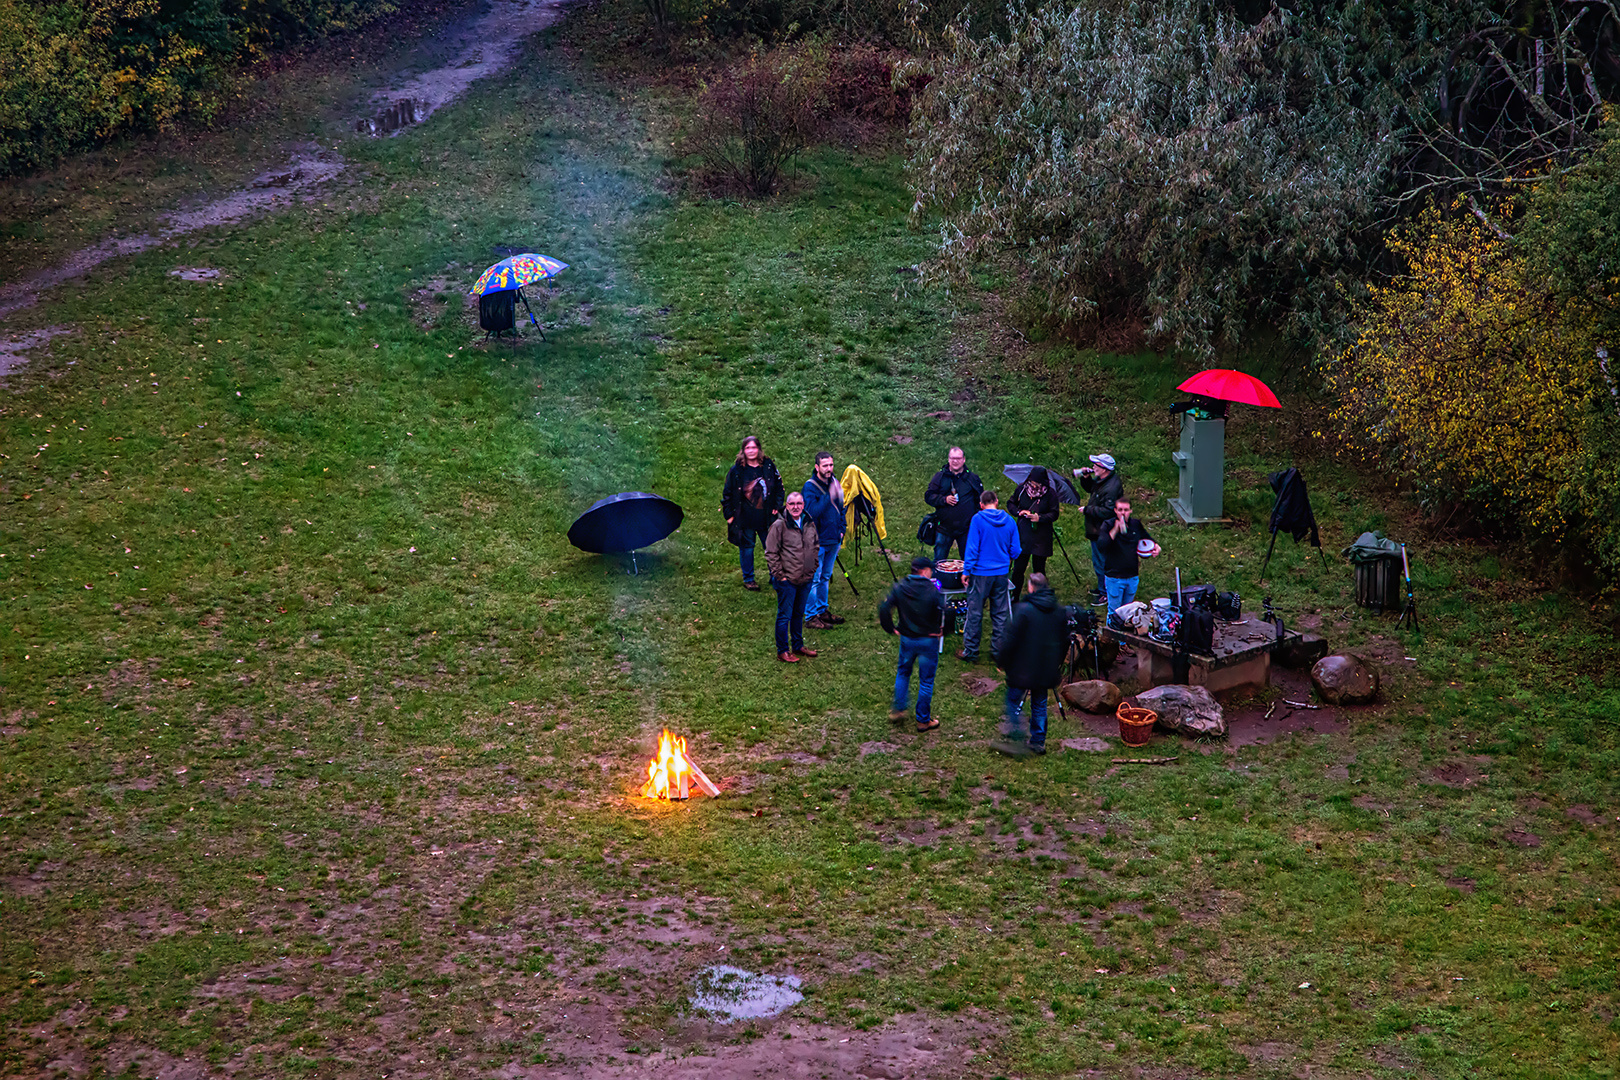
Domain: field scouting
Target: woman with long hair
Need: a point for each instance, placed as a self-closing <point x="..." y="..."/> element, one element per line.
<point x="1034" y="506"/>
<point x="751" y="501"/>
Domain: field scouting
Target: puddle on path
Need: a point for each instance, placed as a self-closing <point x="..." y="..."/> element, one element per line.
<point x="730" y="993"/>
<point x="14" y="347"/>
<point x="495" y="36"/>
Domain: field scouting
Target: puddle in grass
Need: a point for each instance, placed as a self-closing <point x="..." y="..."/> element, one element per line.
<point x="729" y="993"/>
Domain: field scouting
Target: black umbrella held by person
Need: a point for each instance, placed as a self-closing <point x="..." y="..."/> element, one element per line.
<point x="1065" y="493"/>
<point x="628" y="521"/>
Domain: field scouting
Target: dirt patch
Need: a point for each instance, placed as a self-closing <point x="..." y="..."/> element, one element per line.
<point x="980" y="685"/>
<point x="1463" y="772"/>
<point x="877" y="748"/>
<point x="310" y="167"/>
<point x="1088" y="745"/>
<point x="1520" y="837"/>
<point x="1585" y="815"/>
<point x="903" y="440"/>
<point x="491" y="43"/>
<point x="1256" y="722"/>
<point x="196" y="273"/>
<point x="14" y="348"/>
<point x="1461" y="884"/>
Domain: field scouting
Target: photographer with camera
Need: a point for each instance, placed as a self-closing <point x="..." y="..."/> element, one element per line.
<point x="1123" y="542"/>
<point x="954" y="495"/>
<point x="1101" y="480"/>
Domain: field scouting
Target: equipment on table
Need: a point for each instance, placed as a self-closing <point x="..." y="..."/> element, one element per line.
<point x="1229" y="606"/>
<point x="628" y="521"/>
<point x="1202" y="457"/>
<point x="1377" y="562"/>
<point x="948" y="572"/>
<point x="1410" y="610"/>
<point x="1291" y="513"/>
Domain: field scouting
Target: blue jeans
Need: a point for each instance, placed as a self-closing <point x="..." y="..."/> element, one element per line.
<point x="942" y="546"/>
<point x="1037" y="716"/>
<point x="745" y="551"/>
<point x="1121" y="591"/>
<point x="819" y="586"/>
<point x="1097" y="567"/>
<point x="983" y="592"/>
<point x="924" y="653"/>
<point x="790" y="600"/>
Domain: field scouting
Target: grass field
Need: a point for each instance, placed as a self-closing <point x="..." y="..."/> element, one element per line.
<point x="319" y="745"/>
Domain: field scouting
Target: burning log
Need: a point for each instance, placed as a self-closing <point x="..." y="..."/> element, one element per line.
<point x="671" y="774"/>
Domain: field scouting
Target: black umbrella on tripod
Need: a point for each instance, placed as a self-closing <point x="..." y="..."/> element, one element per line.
<point x="628" y="521"/>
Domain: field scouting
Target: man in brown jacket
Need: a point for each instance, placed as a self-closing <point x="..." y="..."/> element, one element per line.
<point x="790" y="555"/>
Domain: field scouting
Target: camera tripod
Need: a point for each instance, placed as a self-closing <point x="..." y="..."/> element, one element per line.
<point x="1408" y="612"/>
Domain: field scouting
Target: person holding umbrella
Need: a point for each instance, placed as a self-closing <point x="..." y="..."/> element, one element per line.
<point x="1101" y="480"/>
<point x="750" y="502"/>
<point x="1034" y="505"/>
<point x="790" y="556"/>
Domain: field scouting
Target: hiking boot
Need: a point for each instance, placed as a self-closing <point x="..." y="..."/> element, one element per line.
<point x="787" y="658"/>
<point x="818" y="623"/>
<point x="927" y="725"/>
<point x="1038" y="748"/>
<point x="1096" y="597"/>
<point x="751" y="586"/>
<point x="836" y="620"/>
<point x="1013" y="748"/>
<point x="803" y="651"/>
<point x="974" y="659"/>
<point x="897" y="716"/>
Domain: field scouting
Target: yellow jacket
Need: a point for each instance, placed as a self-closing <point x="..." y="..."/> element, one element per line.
<point x="855" y="482"/>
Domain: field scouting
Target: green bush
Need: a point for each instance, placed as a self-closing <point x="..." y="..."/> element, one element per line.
<point x="75" y="72"/>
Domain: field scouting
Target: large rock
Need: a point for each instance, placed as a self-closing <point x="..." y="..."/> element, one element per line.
<point x="1302" y="651"/>
<point x="1191" y="710"/>
<point x="1092" y="695"/>
<point x="1344" y="679"/>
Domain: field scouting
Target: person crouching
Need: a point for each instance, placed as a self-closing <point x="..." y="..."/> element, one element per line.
<point x="921" y="607"/>
<point x="1032" y="657"/>
<point x="790" y="556"/>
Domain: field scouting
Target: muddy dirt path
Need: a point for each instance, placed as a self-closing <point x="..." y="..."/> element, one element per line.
<point x="487" y="45"/>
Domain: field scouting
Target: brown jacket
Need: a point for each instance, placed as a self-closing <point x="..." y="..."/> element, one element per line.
<point x="790" y="552"/>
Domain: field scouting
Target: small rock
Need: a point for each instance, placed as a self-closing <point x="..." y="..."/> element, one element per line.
<point x="1344" y="679"/>
<point x="1190" y="710"/>
<point x="1092" y="695"/>
<point x="1302" y="651"/>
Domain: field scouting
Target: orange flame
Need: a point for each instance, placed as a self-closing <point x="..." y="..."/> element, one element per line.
<point x="668" y="774"/>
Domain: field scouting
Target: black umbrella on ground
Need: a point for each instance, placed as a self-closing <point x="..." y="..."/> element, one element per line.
<point x="1065" y="490"/>
<point x="628" y="521"/>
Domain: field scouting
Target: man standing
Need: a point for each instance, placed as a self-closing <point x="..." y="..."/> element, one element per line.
<point x="824" y="501"/>
<point x="1122" y="542"/>
<point x="1101" y="480"/>
<point x="1032" y="657"/>
<point x="954" y="495"/>
<point x="750" y="502"/>
<point x="992" y="545"/>
<point x="921" y="607"/>
<point x="790" y="556"/>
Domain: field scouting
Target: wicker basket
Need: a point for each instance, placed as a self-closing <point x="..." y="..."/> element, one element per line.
<point x="1135" y="723"/>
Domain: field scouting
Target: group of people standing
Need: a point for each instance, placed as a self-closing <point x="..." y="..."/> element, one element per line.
<point x="1004" y="553"/>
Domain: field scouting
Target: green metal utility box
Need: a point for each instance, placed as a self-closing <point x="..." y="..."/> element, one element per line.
<point x="1202" y="464"/>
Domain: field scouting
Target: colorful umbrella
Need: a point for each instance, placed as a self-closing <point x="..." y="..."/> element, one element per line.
<point x="1224" y="384"/>
<point x="515" y="272"/>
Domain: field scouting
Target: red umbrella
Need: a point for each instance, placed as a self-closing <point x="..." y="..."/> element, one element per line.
<point x="1224" y="384"/>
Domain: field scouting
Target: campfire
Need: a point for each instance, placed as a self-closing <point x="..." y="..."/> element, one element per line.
<point x="672" y="775"/>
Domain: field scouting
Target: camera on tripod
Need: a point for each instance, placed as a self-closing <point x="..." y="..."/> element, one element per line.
<point x="1082" y="620"/>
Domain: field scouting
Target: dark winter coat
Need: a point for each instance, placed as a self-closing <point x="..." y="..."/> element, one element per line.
<point x="1099" y="509"/>
<point x="1034" y="537"/>
<point x="920" y="605"/>
<point x="1036" y="643"/>
<point x="954" y="520"/>
<point x="753" y="494"/>
<point x="828" y="511"/>
<point x="1119" y="554"/>
<point x="1292" y="512"/>
<point x="790" y="549"/>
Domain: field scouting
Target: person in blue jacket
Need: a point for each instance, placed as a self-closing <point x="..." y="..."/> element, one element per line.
<point x="824" y="502"/>
<point x="992" y="545"/>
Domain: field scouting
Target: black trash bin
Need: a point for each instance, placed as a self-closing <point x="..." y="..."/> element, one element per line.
<point x="1378" y="583"/>
<point x="497" y="312"/>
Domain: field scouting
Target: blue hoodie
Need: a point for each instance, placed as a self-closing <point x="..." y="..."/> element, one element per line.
<point x="992" y="543"/>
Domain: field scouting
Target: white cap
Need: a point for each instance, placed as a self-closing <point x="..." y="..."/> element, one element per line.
<point x="1105" y="460"/>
